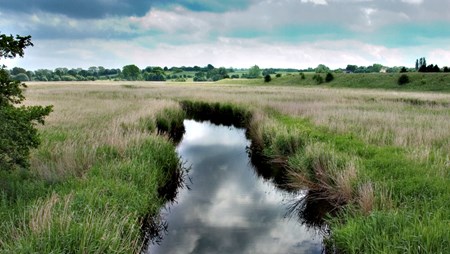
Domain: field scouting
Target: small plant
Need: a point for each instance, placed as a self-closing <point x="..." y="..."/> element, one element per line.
<point x="302" y="75"/>
<point x="403" y="80"/>
<point x="267" y="78"/>
<point x="318" y="78"/>
<point x="278" y="75"/>
<point x="329" y="77"/>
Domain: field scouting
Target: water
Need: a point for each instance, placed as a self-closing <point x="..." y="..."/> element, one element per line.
<point x="228" y="208"/>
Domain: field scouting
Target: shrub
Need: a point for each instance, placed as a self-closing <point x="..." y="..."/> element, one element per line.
<point x="329" y="77"/>
<point x="318" y="78"/>
<point x="278" y="75"/>
<point x="403" y="80"/>
<point x="302" y="75"/>
<point x="267" y="78"/>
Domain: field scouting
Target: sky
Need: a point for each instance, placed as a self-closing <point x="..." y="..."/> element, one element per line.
<point x="269" y="33"/>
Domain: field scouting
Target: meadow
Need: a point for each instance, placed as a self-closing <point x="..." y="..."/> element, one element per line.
<point x="380" y="155"/>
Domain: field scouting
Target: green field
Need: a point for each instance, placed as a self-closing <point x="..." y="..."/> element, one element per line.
<point x="435" y="82"/>
<point x="380" y="155"/>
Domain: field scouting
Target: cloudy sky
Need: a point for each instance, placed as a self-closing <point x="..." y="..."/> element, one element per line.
<point x="269" y="33"/>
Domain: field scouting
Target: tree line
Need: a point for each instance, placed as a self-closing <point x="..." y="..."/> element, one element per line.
<point x="196" y="73"/>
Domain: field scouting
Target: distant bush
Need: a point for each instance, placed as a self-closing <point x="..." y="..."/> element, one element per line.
<point x="403" y="80"/>
<point x="302" y="75"/>
<point x="267" y="78"/>
<point x="278" y="75"/>
<point x="318" y="78"/>
<point x="200" y="79"/>
<point x="68" y="78"/>
<point x="234" y="76"/>
<point x="21" y="77"/>
<point x="329" y="77"/>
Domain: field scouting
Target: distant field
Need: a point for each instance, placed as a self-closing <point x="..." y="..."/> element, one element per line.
<point x="435" y="82"/>
<point x="398" y="141"/>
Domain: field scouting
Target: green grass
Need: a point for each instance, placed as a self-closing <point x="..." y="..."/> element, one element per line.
<point x="101" y="212"/>
<point x="415" y="218"/>
<point x="432" y="82"/>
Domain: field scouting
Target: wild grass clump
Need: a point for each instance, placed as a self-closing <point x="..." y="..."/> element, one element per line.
<point x="218" y="113"/>
<point x="325" y="172"/>
<point x="170" y="121"/>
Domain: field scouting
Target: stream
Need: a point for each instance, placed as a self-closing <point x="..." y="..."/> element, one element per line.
<point x="228" y="208"/>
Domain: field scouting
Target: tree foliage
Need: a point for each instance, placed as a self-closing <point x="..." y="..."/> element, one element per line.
<point x="131" y="72"/>
<point x="17" y="123"/>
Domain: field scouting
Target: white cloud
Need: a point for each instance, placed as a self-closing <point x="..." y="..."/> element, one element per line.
<point x="320" y="2"/>
<point x="413" y="1"/>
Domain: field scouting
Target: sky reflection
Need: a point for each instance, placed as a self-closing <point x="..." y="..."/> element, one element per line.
<point x="229" y="209"/>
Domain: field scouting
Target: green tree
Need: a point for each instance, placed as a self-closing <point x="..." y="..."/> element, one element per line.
<point x="321" y="68"/>
<point x="131" y="72"/>
<point x="267" y="78"/>
<point x="17" y="123"/>
<point x="254" y="72"/>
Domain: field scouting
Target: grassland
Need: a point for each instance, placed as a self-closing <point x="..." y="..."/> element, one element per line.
<point x="426" y="82"/>
<point x="94" y="179"/>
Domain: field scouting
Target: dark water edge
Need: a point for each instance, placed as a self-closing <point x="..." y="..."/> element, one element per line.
<point x="232" y="207"/>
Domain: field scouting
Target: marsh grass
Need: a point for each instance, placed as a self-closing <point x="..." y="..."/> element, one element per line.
<point x="385" y="153"/>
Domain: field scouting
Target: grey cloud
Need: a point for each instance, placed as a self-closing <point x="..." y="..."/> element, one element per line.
<point x="92" y="9"/>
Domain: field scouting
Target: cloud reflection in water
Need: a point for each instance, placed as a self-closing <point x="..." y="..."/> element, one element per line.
<point x="229" y="209"/>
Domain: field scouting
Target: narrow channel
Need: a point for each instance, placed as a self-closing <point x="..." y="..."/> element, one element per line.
<point x="227" y="207"/>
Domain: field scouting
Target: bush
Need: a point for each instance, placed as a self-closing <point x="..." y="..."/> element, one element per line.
<point x="318" y="79"/>
<point x="403" y="80"/>
<point x="278" y="75"/>
<point x="329" y="77"/>
<point x="267" y="78"/>
<point x="302" y="75"/>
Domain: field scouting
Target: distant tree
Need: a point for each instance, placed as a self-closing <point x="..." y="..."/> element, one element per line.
<point x="321" y="68"/>
<point x="21" y="77"/>
<point x="436" y="68"/>
<point x="351" y="68"/>
<point x="267" y="78"/>
<point x="131" y="72"/>
<point x="446" y="69"/>
<point x="422" y="64"/>
<point x="254" y="72"/>
<point x="17" y="124"/>
<point x="417" y="64"/>
<point x="403" y="70"/>
<point x="18" y="70"/>
<point x="210" y="67"/>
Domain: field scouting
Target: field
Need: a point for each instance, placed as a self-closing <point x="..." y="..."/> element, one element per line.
<point x="382" y="155"/>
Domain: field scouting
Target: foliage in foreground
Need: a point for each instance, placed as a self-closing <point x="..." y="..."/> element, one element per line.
<point x="17" y="124"/>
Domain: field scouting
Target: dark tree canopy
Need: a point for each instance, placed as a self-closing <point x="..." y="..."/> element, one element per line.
<point x="17" y="123"/>
<point x="131" y="72"/>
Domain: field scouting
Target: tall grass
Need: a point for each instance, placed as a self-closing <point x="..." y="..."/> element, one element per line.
<point x="383" y="153"/>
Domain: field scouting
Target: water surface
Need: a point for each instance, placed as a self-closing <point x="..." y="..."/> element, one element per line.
<point x="228" y="208"/>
